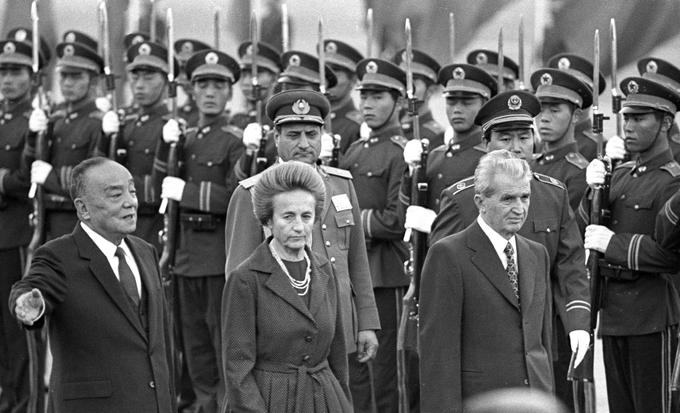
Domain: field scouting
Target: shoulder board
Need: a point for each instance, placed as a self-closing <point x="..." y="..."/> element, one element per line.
<point x="576" y="159"/>
<point x="480" y="147"/>
<point x="129" y="116"/>
<point x="234" y="130"/>
<point x="354" y="116"/>
<point x="59" y="113"/>
<point x="434" y="126"/>
<point x="96" y="115"/>
<point x="549" y="180"/>
<point x="191" y="129"/>
<point x="629" y="164"/>
<point x="460" y="186"/>
<point x="343" y="173"/>
<point x="250" y="182"/>
<point x="399" y="141"/>
<point x="672" y="168"/>
<point x="167" y="117"/>
<point x="440" y="148"/>
<point x="590" y="135"/>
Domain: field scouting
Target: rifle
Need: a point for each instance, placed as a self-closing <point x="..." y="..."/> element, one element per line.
<point x="599" y="215"/>
<point x="113" y="152"/>
<point x="617" y="98"/>
<point x="261" y="159"/>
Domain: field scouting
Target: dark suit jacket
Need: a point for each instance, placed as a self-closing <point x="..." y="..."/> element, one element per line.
<point x="104" y="359"/>
<point x="473" y="336"/>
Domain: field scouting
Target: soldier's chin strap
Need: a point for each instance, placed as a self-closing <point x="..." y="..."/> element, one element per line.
<point x="394" y="107"/>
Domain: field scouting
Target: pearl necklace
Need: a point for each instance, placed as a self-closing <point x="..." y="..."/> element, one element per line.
<point x="301" y="287"/>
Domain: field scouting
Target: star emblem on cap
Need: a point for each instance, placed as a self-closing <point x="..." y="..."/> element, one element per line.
<point x="652" y="66"/>
<point x="144" y="49"/>
<point x="458" y="73"/>
<point x="70" y="37"/>
<point x="514" y="102"/>
<point x="633" y="87"/>
<point x="212" y="58"/>
<point x="300" y="107"/>
<point x="563" y="63"/>
<point x="546" y="79"/>
<point x="372" y="67"/>
<point x="481" y="58"/>
<point x="187" y="47"/>
<point x="294" y="60"/>
<point x="9" y="48"/>
<point x="461" y="185"/>
<point x="69" y="50"/>
<point x="137" y="39"/>
<point x="331" y="47"/>
<point x="249" y="49"/>
<point x="404" y="56"/>
<point x="20" y="35"/>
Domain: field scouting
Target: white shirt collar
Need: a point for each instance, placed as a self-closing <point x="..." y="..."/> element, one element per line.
<point x="107" y="247"/>
<point x="498" y="241"/>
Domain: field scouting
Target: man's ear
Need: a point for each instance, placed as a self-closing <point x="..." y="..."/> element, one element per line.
<point x="667" y="123"/>
<point x="576" y="115"/>
<point x="479" y="202"/>
<point x="81" y="209"/>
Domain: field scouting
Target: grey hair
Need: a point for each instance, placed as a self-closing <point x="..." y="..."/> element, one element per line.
<point x="78" y="185"/>
<point x="286" y="177"/>
<point x="499" y="162"/>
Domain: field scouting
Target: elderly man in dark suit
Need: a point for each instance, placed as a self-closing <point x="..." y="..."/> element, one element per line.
<point x="485" y="300"/>
<point x="99" y="291"/>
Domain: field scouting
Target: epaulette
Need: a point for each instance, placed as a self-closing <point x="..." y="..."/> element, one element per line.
<point x="434" y="126"/>
<point x="129" y="116"/>
<point x="672" y="168"/>
<point x="399" y="141"/>
<point x="629" y="164"/>
<point x="167" y="117"/>
<point x="343" y="173"/>
<point x="250" y="182"/>
<point x="576" y="159"/>
<point x="97" y="114"/>
<point x="549" y="180"/>
<point x="590" y="135"/>
<point x="481" y="147"/>
<point x="59" y="113"/>
<point x="460" y="186"/>
<point x="439" y="148"/>
<point x="191" y="129"/>
<point x="234" y="130"/>
<point x="354" y="116"/>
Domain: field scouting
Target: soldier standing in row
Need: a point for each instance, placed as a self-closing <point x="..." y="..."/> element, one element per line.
<point x="184" y="49"/>
<point x="488" y="61"/>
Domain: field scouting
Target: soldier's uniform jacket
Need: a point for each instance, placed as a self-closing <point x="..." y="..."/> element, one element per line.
<point x="585" y="139"/>
<point x="636" y="301"/>
<point x="377" y="164"/>
<point x="209" y="156"/>
<point x="667" y="230"/>
<point x="189" y="112"/>
<point x="247" y="164"/>
<point x="346" y="121"/>
<point x="429" y="129"/>
<point x="337" y="235"/>
<point x="568" y="165"/>
<point x="14" y="177"/>
<point x="446" y="165"/>
<point x="674" y="141"/>
<point x="549" y="222"/>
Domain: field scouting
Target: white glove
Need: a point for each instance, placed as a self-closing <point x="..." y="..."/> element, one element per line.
<point x="172" y="188"/>
<point x="29" y="306"/>
<point x="39" y="172"/>
<point x="171" y="131"/>
<point x="364" y="130"/>
<point x="448" y="135"/>
<point x="38" y="121"/>
<point x="615" y="148"/>
<point x="597" y="238"/>
<point x="579" y="340"/>
<point x="419" y="218"/>
<point x="327" y="145"/>
<point x="110" y="122"/>
<point x="103" y="104"/>
<point x="595" y="173"/>
<point x="412" y="152"/>
<point x="252" y="135"/>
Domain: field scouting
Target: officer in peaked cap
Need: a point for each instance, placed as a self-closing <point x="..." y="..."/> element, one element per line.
<point x="134" y="38"/>
<point x="203" y="189"/>
<point x="637" y="324"/>
<point x="346" y="119"/>
<point x="74" y="36"/>
<point x="22" y="34"/>
<point x="377" y="164"/>
<point x="511" y="110"/>
<point x="184" y="49"/>
<point x="488" y="60"/>
<point x="582" y="69"/>
<point x="297" y="106"/>
<point x="20" y="54"/>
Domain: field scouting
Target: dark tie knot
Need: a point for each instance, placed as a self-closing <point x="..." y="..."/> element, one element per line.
<point x="509" y="251"/>
<point x="120" y="253"/>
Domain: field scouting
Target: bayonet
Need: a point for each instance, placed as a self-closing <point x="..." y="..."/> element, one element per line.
<point x="285" y="34"/>
<point x="216" y="28"/>
<point x="152" y="23"/>
<point x="452" y="38"/>
<point x="408" y="59"/>
<point x="520" y="81"/>
<point x="322" y="59"/>
<point x="501" y="60"/>
<point x="616" y="96"/>
<point x="369" y="30"/>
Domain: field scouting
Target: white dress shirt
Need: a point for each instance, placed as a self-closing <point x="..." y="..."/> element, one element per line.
<point x="499" y="242"/>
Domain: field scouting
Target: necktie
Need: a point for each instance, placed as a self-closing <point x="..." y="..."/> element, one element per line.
<point x="511" y="269"/>
<point x="127" y="279"/>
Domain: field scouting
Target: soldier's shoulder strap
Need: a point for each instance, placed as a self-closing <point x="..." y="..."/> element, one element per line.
<point x="342" y="173"/>
<point x="250" y="182"/>
<point x="672" y="168"/>
<point x="434" y="126"/>
<point x="549" y="180"/>
<point x="629" y="165"/>
<point x="354" y="116"/>
<point x="234" y="130"/>
<point x="576" y="159"/>
<point x="96" y="114"/>
<point x="590" y="135"/>
<point x="191" y="129"/>
<point x="399" y="141"/>
<point x="59" y="113"/>
<point x="460" y="186"/>
<point x="480" y="147"/>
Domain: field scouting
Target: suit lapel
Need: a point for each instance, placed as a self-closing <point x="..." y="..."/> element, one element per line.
<point x="147" y="270"/>
<point x="487" y="261"/>
<point x="527" y="271"/>
<point x="320" y="279"/>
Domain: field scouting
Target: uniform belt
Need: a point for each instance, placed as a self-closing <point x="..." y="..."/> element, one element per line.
<point x="618" y="272"/>
<point x="201" y="222"/>
<point x="303" y="373"/>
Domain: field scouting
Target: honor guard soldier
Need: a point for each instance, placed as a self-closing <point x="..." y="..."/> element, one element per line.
<point x="74" y="36"/>
<point x="425" y="70"/>
<point x="140" y="133"/>
<point x="640" y="311"/>
<point x="301" y="71"/>
<point x="582" y="69"/>
<point x="466" y="89"/>
<point x="25" y="35"/>
<point x="488" y="60"/>
<point x="562" y="97"/>
<point x="298" y="118"/>
<point x="184" y="49"/>
<point x="268" y="62"/>
<point x="73" y="134"/>
<point x="346" y="119"/>
<point x="203" y="190"/>
<point x="506" y="122"/>
<point x="15" y="108"/>
<point x="667" y="230"/>
<point x="377" y="164"/>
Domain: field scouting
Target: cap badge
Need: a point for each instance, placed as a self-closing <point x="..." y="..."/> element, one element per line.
<point x="187" y="47"/>
<point x="137" y="39"/>
<point x="633" y="87"/>
<point x="20" y="35"/>
<point x="652" y="66"/>
<point x="70" y="37"/>
<point x="546" y="79"/>
<point x="563" y="63"/>
<point x="461" y="185"/>
<point x="69" y="50"/>
<point x="144" y="49"/>
<point x="331" y="47"/>
<point x="514" y="103"/>
<point x="294" y="60"/>
<point x="211" y="58"/>
<point x="9" y="48"/>
<point x="404" y="56"/>
<point x="371" y="67"/>
<point x="300" y="107"/>
<point x="249" y="49"/>
<point x="482" y="58"/>
<point x="458" y="73"/>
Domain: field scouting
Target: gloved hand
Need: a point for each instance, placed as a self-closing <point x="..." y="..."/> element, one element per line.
<point x="579" y="340"/>
<point x="419" y="218"/>
<point x="327" y="145"/>
<point x="448" y="135"/>
<point x="615" y="148"/>
<point x="595" y="173"/>
<point x="37" y="122"/>
<point x="597" y="238"/>
<point x="172" y="188"/>
<point x="412" y="152"/>
<point x="110" y="122"/>
<point x="29" y="306"/>
<point x="252" y="135"/>
<point x="103" y="104"/>
<point x="171" y="131"/>
<point x="39" y="172"/>
<point x="364" y="130"/>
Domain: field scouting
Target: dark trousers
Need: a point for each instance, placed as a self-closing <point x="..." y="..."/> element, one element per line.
<point x="563" y="387"/>
<point x="388" y="301"/>
<point x="200" y="305"/>
<point x="360" y="385"/>
<point x="638" y="371"/>
<point x="13" y="348"/>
